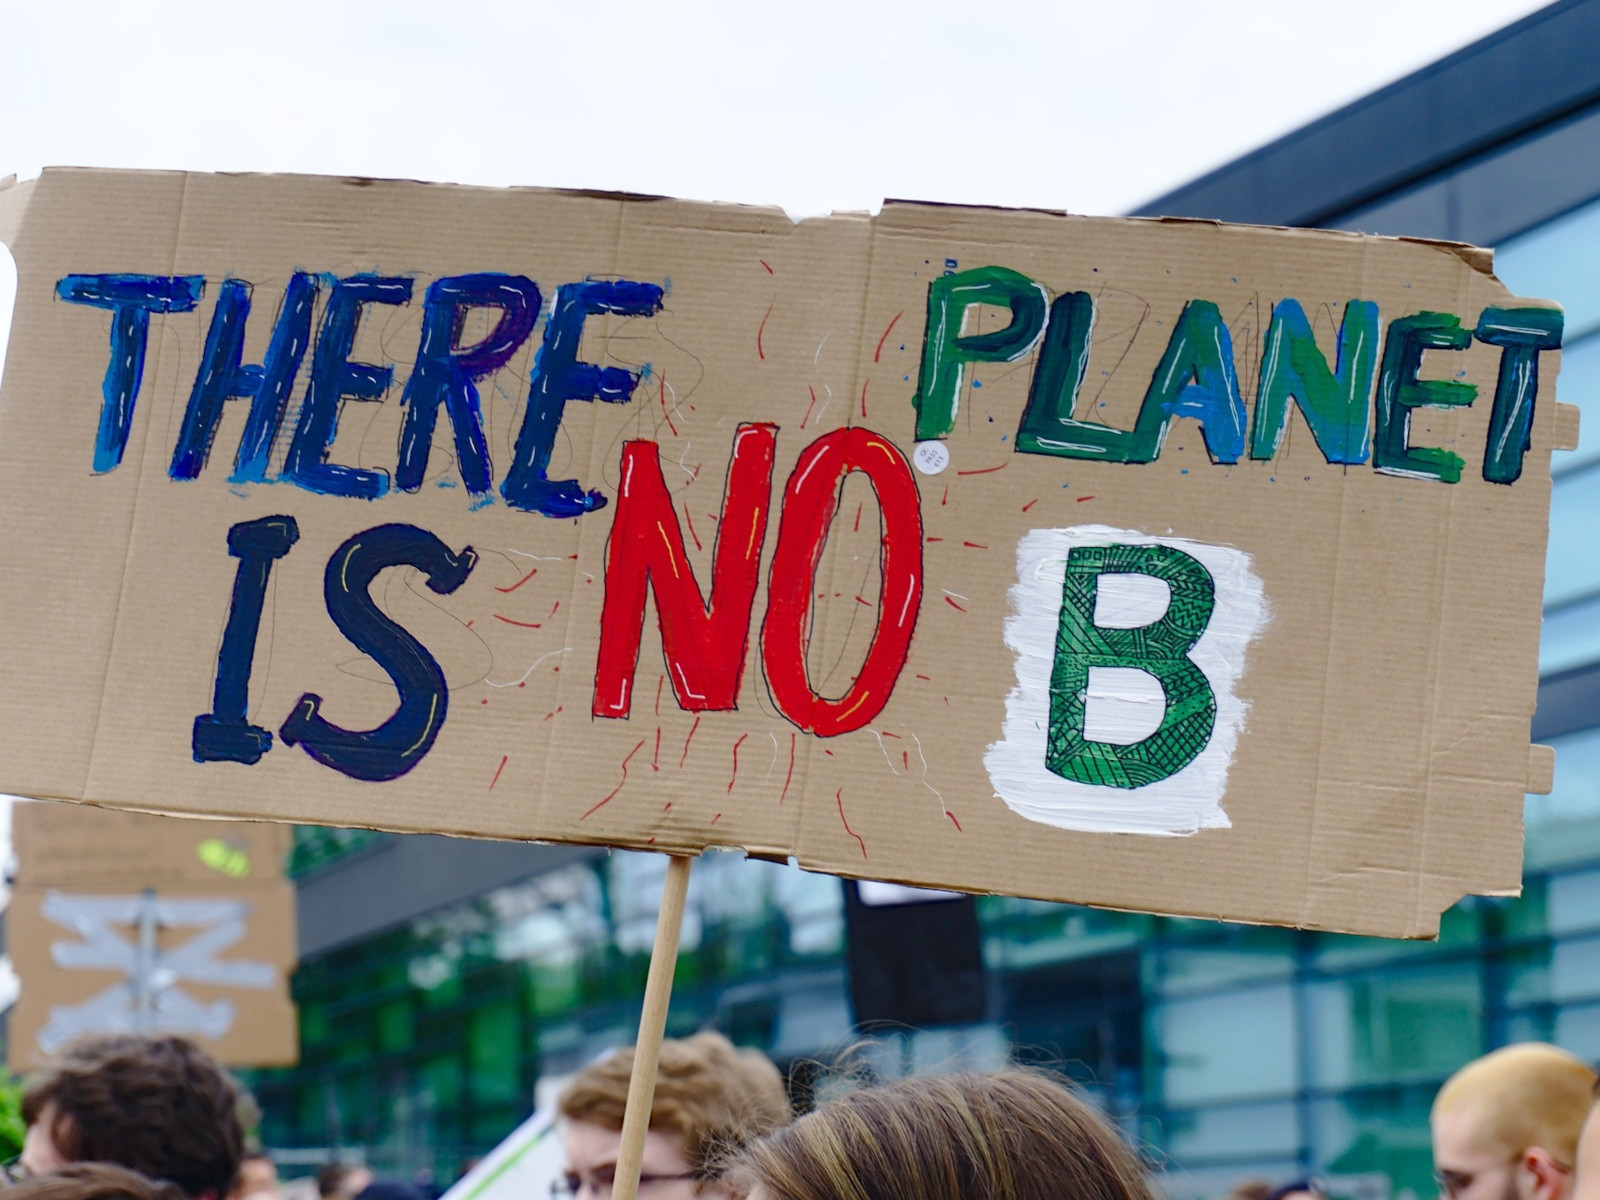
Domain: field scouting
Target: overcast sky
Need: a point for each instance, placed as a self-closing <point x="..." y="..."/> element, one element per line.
<point x="814" y="106"/>
<point x="832" y="104"/>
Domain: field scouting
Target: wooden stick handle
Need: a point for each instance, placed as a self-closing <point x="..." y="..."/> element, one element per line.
<point x="652" y="1024"/>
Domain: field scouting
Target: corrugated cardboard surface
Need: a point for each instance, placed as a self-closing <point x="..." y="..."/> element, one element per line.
<point x="1378" y="778"/>
<point x="79" y="850"/>
<point x="60" y="845"/>
<point x="264" y="1030"/>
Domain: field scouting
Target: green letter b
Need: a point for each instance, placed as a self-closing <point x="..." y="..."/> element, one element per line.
<point x="1159" y="649"/>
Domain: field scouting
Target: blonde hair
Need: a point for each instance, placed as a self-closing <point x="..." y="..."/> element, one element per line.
<point x="712" y="1096"/>
<point x="1010" y="1135"/>
<point x="1520" y="1097"/>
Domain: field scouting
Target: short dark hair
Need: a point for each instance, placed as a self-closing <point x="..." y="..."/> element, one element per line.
<point x="93" y="1181"/>
<point x="331" y="1176"/>
<point x="159" y="1105"/>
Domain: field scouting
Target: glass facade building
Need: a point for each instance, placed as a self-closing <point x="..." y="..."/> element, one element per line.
<point x="1228" y="1051"/>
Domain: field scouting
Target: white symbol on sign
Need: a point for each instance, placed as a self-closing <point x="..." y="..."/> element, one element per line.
<point x="149" y="1000"/>
<point x="931" y="457"/>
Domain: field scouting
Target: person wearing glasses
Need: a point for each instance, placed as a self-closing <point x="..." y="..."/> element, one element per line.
<point x="710" y="1099"/>
<point x="1004" y="1135"/>
<point x="1505" y="1126"/>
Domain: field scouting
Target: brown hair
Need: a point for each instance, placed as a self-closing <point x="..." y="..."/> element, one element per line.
<point x="1520" y="1097"/>
<point x="92" y="1181"/>
<point x="160" y="1105"/>
<point x="1009" y="1135"/>
<point x="712" y="1096"/>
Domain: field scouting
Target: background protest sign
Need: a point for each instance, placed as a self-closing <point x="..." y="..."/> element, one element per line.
<point x="1157" y="565"/>
<point x="124" y="922"/>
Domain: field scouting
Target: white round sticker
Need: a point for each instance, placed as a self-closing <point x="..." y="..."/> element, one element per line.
<point x="931" y="457"/>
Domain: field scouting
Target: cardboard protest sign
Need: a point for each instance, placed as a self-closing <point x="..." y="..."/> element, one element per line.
<point x="124" y="922"/>
<point x="61" y="845"/>
<point x="1156" y="565"/>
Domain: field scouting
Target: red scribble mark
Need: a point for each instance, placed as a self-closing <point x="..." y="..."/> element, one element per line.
<point x="690" y="521"/>
<point x="953" y="821"/>
<point x="616" y="789"/>
<point x="667" y="807"/>
<point x="687" y="740"/>
<point x="947" y="701"/>
<point x="664" y="410"/>
<point x="660" y="679"/>
<point x="885" y="336"/>
<point x="522" y="683"/>
<point x="905" y="759"/>
<point x="469" y="624"/>
<point x="484" y="701"/>
<point x="573" y="557"/>
<point x="504" y="758"/>
<point x="1081" y="499"/>
<point x="762" y="328"/>
<point x="553" y="608"/>
<point x="763" y="262"/>
<point x="736" y="746"/>
<point x="556" y="713"/>
<point x="650" y="841"/>
<point x="863" y="600"/>
<point x="984" y="470"/>
<point x="974" y="545"/>
<point x="716" y="818"/>
<point x="829" y="753"/>
<point x="858" y="518"/>
<point x="518" y="583"/>
<point x="864" y="399"/>
<point x="810" y="406"/>
<point x="1030" y="504"/>
<point x="951" y="602"/>
<point x="655" y="759"/>
<point x="934" y="539"/>
<point x="926" y="678"/>
<point x="784" y="795"/>
<point x="695" y="474"/>
<point x="945" y="499"/>
<point x="520" y="624"/>
<point x="838" y="798"/>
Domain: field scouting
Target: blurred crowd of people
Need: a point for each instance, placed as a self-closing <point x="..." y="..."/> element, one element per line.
<point x="155" y="1118"/>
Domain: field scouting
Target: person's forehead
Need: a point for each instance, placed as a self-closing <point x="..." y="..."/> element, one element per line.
<point x="589" y="1146"/>
<point x="1459" y="1136"/>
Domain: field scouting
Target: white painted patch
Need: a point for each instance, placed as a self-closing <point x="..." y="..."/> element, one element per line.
<point x="1122" y="702"/>
<point x="1124" y="706"/>
<point x="930" y="457"/>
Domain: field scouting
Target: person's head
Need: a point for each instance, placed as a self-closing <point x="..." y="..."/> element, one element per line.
<point x="159" y="1105"/>
<point x="257" y="1174"/>
<point x="1009" y="1135"/>
<point x="342" y="1181"/>
<point x="709" y="1097"/>
<point x="1586" y="1168"/>
<point x="1297" y="1189"/>
<point x="1505" y="1126"/>
<point x="92" y="1181"/>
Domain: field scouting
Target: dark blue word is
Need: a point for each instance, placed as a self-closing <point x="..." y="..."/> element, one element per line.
<point x="225" y="734"/>
<point x="446" y="376"/>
